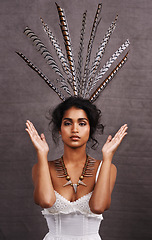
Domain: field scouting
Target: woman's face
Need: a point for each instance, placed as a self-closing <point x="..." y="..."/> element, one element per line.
<point x="75" y="128"/>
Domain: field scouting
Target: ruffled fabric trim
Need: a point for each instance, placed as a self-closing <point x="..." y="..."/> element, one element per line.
<point x="64" y="206"/>
<point x="86" y="196"/>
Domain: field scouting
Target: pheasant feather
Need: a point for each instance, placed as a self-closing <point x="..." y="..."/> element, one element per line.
<point x="46" y="54"/>
<point x="67" y="41"/>
<point x="105" y="68"/>
<point x="81" y="85"/>
<point x="43" y="50"/>
<point x="90" y="44"/>
<point x="58" y="49"/>
<point x="81" y="47"/>
<point x="64" y="86"/>
<point x="102" y="86"/>
<point x="41" y="74"/>
<point x="102" y="48"/>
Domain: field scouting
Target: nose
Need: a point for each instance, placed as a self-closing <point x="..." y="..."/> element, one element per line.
<point x="75" y="128"/>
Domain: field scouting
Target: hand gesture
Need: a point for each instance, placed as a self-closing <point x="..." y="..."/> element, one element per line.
<point x="39" y="142"/>
<point x="112" y="144"/>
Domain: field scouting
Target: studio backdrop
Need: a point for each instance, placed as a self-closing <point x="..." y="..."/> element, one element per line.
<point x="126" y="99"/>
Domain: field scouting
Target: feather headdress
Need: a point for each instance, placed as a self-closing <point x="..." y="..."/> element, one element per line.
<point x="73" y="79"/>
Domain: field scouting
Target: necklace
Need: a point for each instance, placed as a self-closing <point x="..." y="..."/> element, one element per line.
<point x="86" y="172"/>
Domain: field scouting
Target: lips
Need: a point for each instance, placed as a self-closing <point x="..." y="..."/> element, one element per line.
<point x="74" y="137"/>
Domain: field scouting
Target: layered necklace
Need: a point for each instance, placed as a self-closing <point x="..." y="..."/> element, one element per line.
<point x="86" y="172"/>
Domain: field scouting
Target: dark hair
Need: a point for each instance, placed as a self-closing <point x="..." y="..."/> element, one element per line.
<point x="90" y="109"/>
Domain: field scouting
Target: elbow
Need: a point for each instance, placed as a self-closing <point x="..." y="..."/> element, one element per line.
<point x="99" y="208"/>
<point x="96" y="211"/>
<point x="45" y="203"/>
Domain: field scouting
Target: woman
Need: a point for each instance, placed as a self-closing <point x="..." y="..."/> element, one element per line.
<point x="76" y="189"/>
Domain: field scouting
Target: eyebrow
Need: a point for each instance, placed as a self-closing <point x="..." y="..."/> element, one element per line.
<point x="79" y="119"/>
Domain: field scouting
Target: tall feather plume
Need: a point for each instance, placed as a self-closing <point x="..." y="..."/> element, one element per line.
<point x="47" y="56"/>
<point x="41" y="74"/>
<point x="90" y="44"/>
<point x="81" y="86"/>
<point x="43" y="50"/>
<point x="58" y="50"/>
<point x="102" y="86"/>
<point x="63" y="85"/>
<point x="67" y="41"/>
<point x="108" y="64"/>
<point x="81" y="47"/>
<point x="100" y="53"/>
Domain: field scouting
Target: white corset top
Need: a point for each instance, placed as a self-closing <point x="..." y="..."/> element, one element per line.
<point x="72" y="220"/>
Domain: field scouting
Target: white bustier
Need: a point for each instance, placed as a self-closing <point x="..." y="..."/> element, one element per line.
<point x="72" y="220"/>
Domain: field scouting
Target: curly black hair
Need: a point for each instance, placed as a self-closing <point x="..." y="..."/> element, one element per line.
<point x="90" y="109"/>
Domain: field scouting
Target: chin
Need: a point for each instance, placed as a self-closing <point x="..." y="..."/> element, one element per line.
<point x="77" y="145"/>
<point x="74" y="144"/>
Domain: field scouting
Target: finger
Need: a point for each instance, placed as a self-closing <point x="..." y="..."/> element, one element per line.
<point x="124" y="135"/>
<point x="27" y="130"/>
<point x="43" y="137"/>
<point x="28" y="124"/>
<point x="32" y="128"/>
<point x="29" y="133"/>
<point x="124" y="130"/>
<point x="121" y="130"/>
<point x="120" y="137"/>
<point x="32" y="133"/>
<point x="109" y="139"/>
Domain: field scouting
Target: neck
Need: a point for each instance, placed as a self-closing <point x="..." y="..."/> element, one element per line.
<point x="74" y="155"/>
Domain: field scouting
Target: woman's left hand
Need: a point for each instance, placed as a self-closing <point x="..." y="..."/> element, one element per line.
<point x="112" y="144"/>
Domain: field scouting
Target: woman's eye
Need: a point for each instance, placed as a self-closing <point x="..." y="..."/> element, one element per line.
<point x="82" y="123"/>
<point x="67" y="123"/>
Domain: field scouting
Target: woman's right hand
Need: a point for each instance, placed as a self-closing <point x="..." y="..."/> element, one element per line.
<point x="38" y="141"/>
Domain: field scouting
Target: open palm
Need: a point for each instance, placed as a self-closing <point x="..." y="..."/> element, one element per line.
<point x="112" y="144"/>
<point x="38" y="141"/>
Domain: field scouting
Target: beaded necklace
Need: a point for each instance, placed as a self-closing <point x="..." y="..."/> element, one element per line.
<point x="86" y="172"/>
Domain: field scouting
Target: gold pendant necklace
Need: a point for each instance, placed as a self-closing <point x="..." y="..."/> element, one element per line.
<point x="86" y="172"/>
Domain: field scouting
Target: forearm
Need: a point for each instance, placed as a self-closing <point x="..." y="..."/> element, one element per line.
<point x="43" y="192"/>
<point x="101" y="197"/>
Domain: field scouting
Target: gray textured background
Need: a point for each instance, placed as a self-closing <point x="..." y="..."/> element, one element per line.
<point x="127" y="99"/>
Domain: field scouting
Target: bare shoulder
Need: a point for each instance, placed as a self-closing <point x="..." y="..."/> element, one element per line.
<point x="97" y="162"/>
<point x="52" y="167"/>
<point x="113" y="167"/>
<point x="51" y="163"/>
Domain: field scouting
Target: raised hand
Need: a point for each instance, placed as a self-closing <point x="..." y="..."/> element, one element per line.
<point x="38" y="141"/>
<point x="112" y="144"/>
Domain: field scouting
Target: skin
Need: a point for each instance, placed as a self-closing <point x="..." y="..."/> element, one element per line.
<point x="75" y="130"/>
